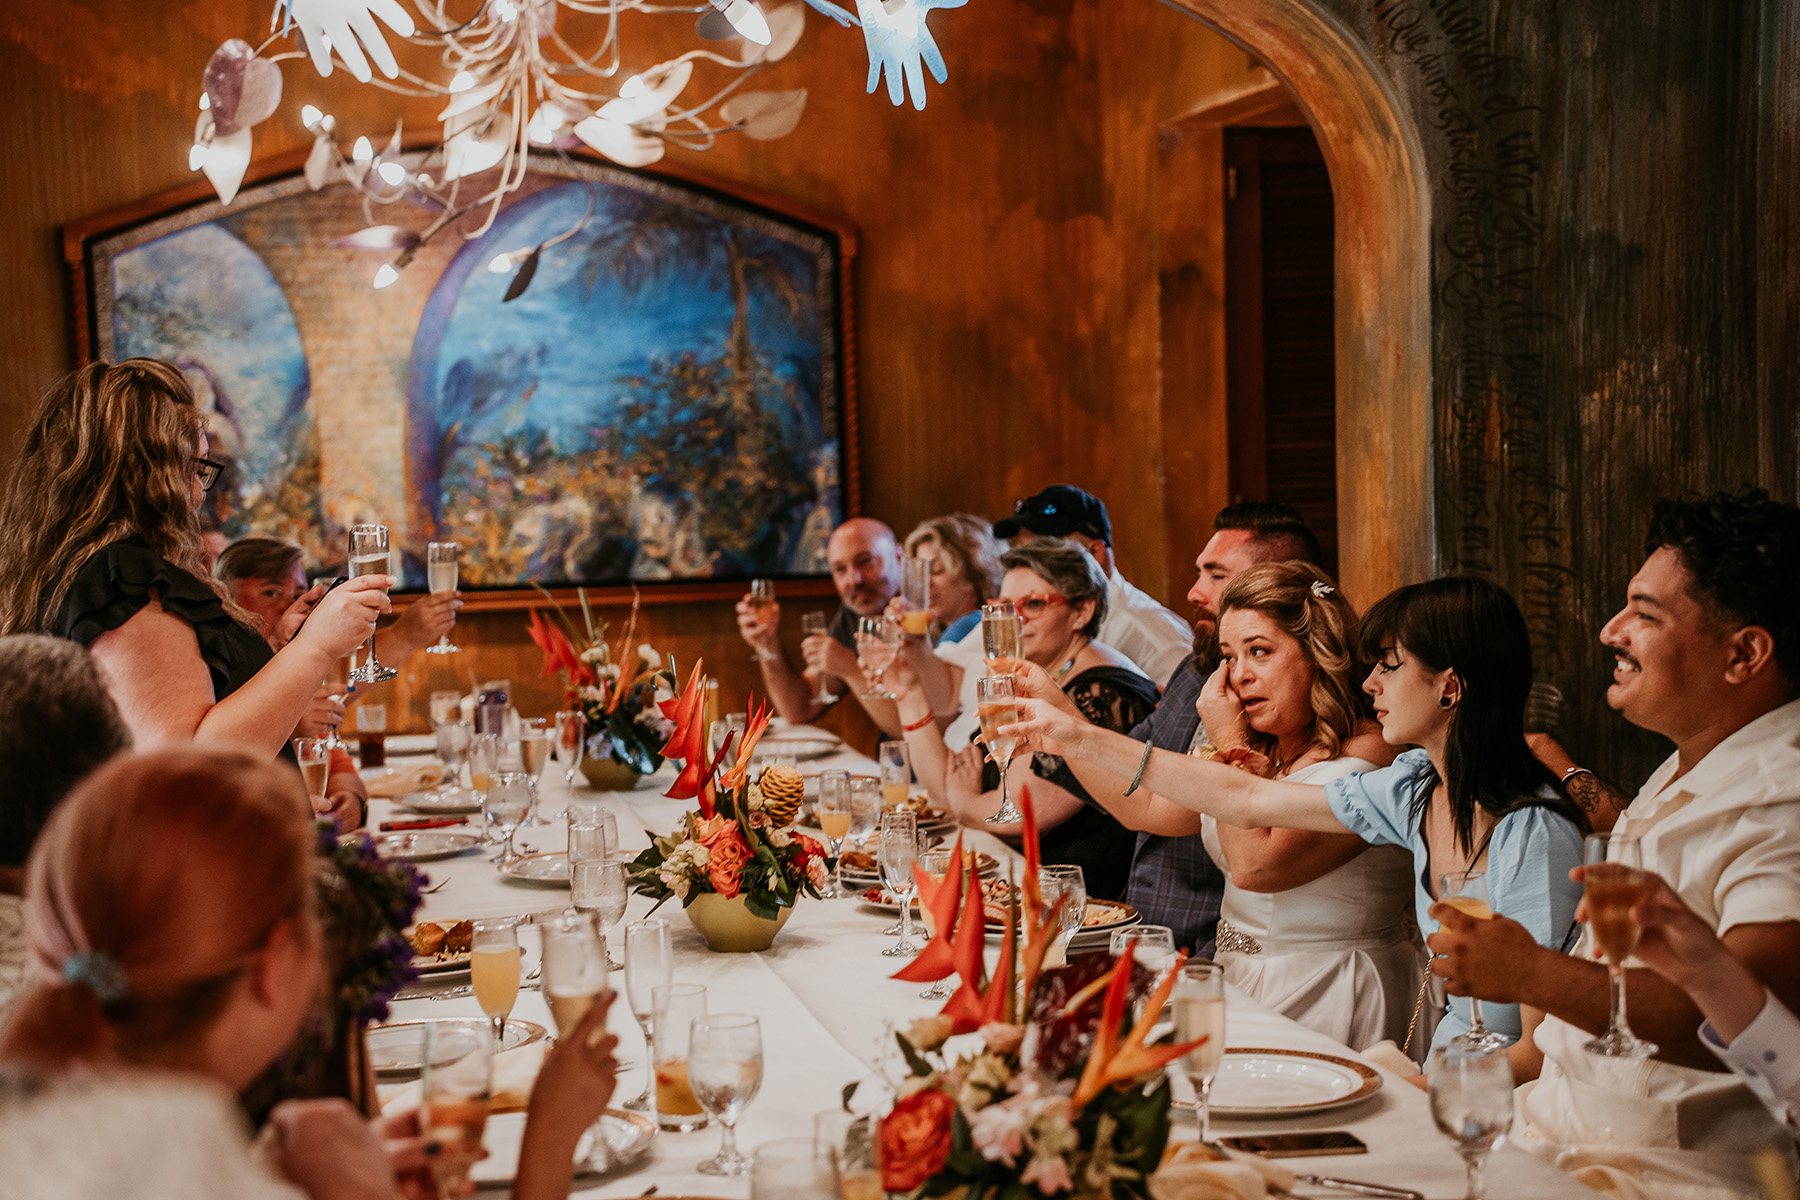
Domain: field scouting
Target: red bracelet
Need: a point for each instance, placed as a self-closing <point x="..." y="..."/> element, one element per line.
<point x="921" y="723"/>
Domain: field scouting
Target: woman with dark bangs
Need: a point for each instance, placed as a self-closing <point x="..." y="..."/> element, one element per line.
<point x="1452" y="670"/>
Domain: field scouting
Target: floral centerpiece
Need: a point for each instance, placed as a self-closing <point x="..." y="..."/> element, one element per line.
<point x="733" y="852"/>
<point x="615" y="692"/>
<point x="1057" y="1095"/>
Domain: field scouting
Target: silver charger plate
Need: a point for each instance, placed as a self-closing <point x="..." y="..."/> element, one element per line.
<point x="398" y="1048"/>
<point x="627" y="1138"/>
<point x="454" y="801"/>
<point x="424" y="845"/>
<point x="1284" y="1083"/>
<point x="544" y="870"/>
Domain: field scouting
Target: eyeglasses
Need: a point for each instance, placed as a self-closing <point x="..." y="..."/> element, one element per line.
<point x="209" y="472"/>
<point x="1030" y="608"/>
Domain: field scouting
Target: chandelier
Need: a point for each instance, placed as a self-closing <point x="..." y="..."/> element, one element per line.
<point x="511" y="78"/>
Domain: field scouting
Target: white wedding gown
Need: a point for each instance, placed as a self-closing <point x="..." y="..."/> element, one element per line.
<point x="1339" y="954"/>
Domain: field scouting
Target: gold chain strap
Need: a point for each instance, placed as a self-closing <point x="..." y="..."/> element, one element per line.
<point x="1418" y="1009"/>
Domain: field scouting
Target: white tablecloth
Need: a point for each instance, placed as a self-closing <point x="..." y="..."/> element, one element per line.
<point x="826" y="1005"/>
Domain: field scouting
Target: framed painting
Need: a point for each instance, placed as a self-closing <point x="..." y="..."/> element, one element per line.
<point x="666" y="403"/>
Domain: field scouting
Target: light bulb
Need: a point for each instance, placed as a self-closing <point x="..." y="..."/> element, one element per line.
<point x="310" y="116"/>
<point x="196" y="156"/>
<point x="462" y="81"/>
<point x="748" y="20"/>
<point x="386" y="276"/>
<point x="205" y="102"/>
<point x="392" y="173"/>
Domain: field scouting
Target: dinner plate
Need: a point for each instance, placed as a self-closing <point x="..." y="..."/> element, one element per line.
<point x="800" y="747"/>
<point x="544" y="870"/>
<point x="627" y="1139"/>
<point x="398" y="1048"/>
<point x="458" y="800"/>
<point x="449" y="964"/>
<point x="411" y="743"/>
<point x="1282" y="1083"/>
<point x="1101" y="918"/>
<point x="423" y="845"/>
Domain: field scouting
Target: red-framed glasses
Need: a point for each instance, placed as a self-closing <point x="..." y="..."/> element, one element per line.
<point x="1030" y="608"/>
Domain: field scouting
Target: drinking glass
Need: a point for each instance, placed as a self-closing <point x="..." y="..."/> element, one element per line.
<point x="649" y="963"/>
<point x="937" y="864"/>
<point x="575" y="969"/>
<point x="601" y="888"/>
<point x="1001" y="631"/>
<point x="455" y="1097"/>
<point x="1154" y="946"/>
<point x="1199" y="1003"/>
<point x="569" y="743"/>
<point x="794" y="1169"/>
<point x="440" y="573"/>
<point x="1471" y="1094"/>
<point x="865" y="806"/>
<point x="677" y="1006"/>
<point x="453" y="749"/>
<point x="852" y="1138"/>
<point x="445" y="706"/>
<point x="593" y="831"/>
<point x="895" y="765"/>
<point x="895" y="849"/>
<point x="834" y="822"/>
<point x="315" y="769"/>
<point x="371" y="735"/>
<point x="1612" y="883"/>
<point x="505" y="803"/>
<point x="534" y="757"/>
<point x="915" y="596"/>
<point x="369" y="556"/>
<point x="484" y="758"/>
<point x="816" y="624"/>
<point x="877" y="641"/>
<point x="725" y="1068"/>
<point x="1466" y="892"/>
<point x="494" y="970"/>
<point x="997" y="707"/>
<point x="762" y="599"/>
<point x="1071" y="889"/>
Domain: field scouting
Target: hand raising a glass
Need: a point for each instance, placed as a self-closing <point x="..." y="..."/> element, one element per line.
<point x="369" y="559"/>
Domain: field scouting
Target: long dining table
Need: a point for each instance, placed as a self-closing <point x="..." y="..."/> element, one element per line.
<point x="828" y="1009"/>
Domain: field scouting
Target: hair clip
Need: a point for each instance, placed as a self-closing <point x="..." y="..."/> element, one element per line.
<point x="99" y="973"/>
<point x="1321" y="589"/>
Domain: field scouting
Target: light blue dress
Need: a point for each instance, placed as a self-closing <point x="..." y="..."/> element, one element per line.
<point x="957" y="629"/>
<point x="1528" y="863"/>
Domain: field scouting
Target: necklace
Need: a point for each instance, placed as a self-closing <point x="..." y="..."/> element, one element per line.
<point x="1063" y="670"/>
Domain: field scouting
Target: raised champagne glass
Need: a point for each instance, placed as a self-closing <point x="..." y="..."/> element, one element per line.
<point x="440" y="575"/>
<point x="999" y="707"/>
<point x="1467" y="893"/>
<point x="1001" y="631"/>
<point x="314" y="757"/>
<point x="1612" y="883"/>
<point x="815" y="624"/>
<point x="762" y="600"/>
<point x="369" y="556"/>
<point x="915" y="596"/>
<point x="877" y="642"/>
<point x="575" y="969"/>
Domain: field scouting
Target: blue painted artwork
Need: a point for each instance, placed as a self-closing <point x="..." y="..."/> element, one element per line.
<point x="663" y="402"/>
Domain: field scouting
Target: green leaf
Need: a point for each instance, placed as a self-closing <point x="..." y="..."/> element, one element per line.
<point x="914" y="1060"/>
<point x="849" y="1091"/>
<point x="761" y="904"/>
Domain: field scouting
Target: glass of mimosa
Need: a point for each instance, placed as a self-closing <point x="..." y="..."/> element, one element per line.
<point x="725" y="1067"/>
<point x="1611" y="884"/>
<point x="440" y="575"/>
<point x="834" y="821"/>
<point x="895" y="764"/>
<point x="369" y="556"/>
<point x="677" y="1006"/>
<point x="915" y="596"/>
<point x="315" y="769"/>
<point x="1466" y="892"/>
<point x="1199" y="1004"/>
<point x="494" y="970"/>
<point x="649" y="963"/>
<point x="455" y="1097"/>
<point x="997" y="707"/>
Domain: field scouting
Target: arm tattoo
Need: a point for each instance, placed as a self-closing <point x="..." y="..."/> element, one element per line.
<point x="1594" y="794"/>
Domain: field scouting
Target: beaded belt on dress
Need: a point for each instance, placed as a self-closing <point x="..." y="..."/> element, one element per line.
<point x="1230" y="937"/>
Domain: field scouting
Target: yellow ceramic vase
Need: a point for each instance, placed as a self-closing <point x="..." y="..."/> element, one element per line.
<point x="610" y="775"/>
<point x="731" y="928"/>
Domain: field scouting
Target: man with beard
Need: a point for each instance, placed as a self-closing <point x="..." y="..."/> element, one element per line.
<point x="865" y="568"/>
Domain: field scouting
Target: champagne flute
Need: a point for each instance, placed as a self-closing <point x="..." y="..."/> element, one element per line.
<point x="677" y="1006"/>
<point x="895" y="766"/>
<point x="1466" y="892"/>
<point x="1072" y="889"/>
<point x="997" y="707"/>
<point x="569" y="742"/>
<point x="649" y="964"/>
<point x="1611" y="884"/>
<point x="453" y="739"/>
<point x="315" y="770"/>
<point x="877" y="641"/>
<point x="762" y="599"/>
<point x="1471" y="1093"/>
<point x="915" y="596"/>
<point x="575" y="969"/>
<point x="369" y="556"/>
<point x="494" y="970"/>
<point x="815" y="624"/>
<point x="865" y="815"/>
<point x="834" y="823"/>
<point x="1001" y="631"/>
<point x="897" y="845"/>
<point x="725" y="1067"/>
<point x="601" y="888"/>
<point x="440" y="574"/>
<point x="937" y="864"/>
<point x="534" y="757"/>
<point x="1199" y="1003"/>
<point x="456" y="1096"/>
<point x="853" y="1139"/>
<point x="505" y="803"/>
<point x="484" y="757"/>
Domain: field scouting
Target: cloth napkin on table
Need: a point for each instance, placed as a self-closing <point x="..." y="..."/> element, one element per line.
<point x="391" y="783"/>
<point x="1197" y="1173"/>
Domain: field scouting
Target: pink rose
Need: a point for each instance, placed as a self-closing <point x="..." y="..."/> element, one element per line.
<point x="1050" y="1174"/>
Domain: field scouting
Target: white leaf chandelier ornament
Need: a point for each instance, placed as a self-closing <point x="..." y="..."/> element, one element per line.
<point x="899" y="43"/>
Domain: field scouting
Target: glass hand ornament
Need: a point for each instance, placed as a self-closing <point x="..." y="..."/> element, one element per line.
<point x="341" y="25"/>
<point x="899" y="42"/>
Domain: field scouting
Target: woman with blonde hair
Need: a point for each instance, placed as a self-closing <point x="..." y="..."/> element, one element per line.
<point x="100" y="544"/>
<point x="965" y="570"/>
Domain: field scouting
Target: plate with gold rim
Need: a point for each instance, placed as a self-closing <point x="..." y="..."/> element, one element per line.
<point x="1263" y="1082"/>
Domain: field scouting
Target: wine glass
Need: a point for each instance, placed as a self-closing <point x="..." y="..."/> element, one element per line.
<point x="877" y="641"/>
<point x="440" y="574"/>
<point x="494" y="970"/>
<point x="762" y="599"/>
<point x="677" y="1006"/>
<point x="853" y="1139"/>
<point x="997" y="707"/>
<point x="601" y="887"/>
<point x="1001" y="631"/>
<point x="534" y="757"/>
<point x="1071" y="889"/>
<point x="834" y="822"/>
<point x="455" y="1096"/>
<point x="794" y="1169"/>
<point x="937" y="864"/>
<point x="569" y="743"/>
<point x="915" y="596"/>
<point x="484" y="757"/>
<point x="897" y="845"/>
<point x="816" y="624"/>
<point x="894" y="763"/>
<point x="369" y="556"/>
<point x="505" y="803"/>
<point x="725" y="1068"/>
<point x="315" y="770"/>
<point x="453" y="739"/>
<point x="575" y="969"/>
<point x="445" y="706"/>
<point x="1466" y="892"/>
<point x="1610" y="885"/>
<point x="649" y="964"/>
<point x="1199" y="1003"/>
<point x="1471" y="1093"/>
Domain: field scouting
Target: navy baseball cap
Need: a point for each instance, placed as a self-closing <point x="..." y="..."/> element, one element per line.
<point x="1057" y="511"/>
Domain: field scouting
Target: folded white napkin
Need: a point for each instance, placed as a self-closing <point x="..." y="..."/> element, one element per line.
<point x="1195" y="1172"/>
<point x="390" y="783"/>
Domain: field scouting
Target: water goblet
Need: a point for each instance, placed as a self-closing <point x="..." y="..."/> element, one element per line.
<point x="1611" y="884"/>
<point x="1199" y="1003"/>
<point x="812" y="625"/>
<point x="649" y="964"/>
<point x="494" y="971"/>
<point x="440" y="575"/>
<point x="369" y="556"/>
<point x="725" y="1069"/>
<point x="897" y="846"/>
<point x="1471" y="1095"/>
<point x="1466" y="892"/>
<point x="593" y="831"/>
<point x="505" y="803"/>
<point x="677" y="1006"/>
<point x="455" y="1098"/>
<point x="877" y="642"/>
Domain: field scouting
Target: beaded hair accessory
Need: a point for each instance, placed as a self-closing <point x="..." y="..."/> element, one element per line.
<point x="98" y="972"/>
<point x="1321" y="589"/>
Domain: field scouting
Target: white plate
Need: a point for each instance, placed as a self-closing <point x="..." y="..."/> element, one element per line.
<point x="799" y="747"/>
<point x="423" y="845"/>
<point x="399" y="1048"/>
<point x="545" y="870"/>
<point x="441" y="966"/>
<point x="1281" y="1083"/>
<point x="411" y="743"/>
<point x="627" y="1135"/>
<point x="461" y="800"/>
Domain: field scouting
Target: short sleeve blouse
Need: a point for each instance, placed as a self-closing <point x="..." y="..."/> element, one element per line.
<point x="1528" y="862"/>
<point x="118" y="580"/>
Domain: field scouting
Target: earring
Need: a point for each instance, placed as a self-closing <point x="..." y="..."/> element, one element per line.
<point x="1444" y="702"/>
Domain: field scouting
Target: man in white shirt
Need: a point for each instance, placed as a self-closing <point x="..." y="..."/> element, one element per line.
<point x="1136" y="625"/>
<point x="1708" y="654"/>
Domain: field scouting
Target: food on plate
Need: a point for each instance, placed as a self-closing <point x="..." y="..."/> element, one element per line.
<point x="440" y="939"/>
<point x="857" y="860"/>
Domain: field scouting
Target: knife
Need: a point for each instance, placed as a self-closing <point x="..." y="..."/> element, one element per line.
<point x="1364" y="1189"/>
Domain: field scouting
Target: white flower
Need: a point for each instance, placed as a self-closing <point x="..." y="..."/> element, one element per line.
<point x="648" y="656"/>
<point x="780" y="839"/>
<point x="998" y="1131"/>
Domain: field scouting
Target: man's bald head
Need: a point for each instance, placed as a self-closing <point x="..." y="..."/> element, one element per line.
<point x="865" y="564"/>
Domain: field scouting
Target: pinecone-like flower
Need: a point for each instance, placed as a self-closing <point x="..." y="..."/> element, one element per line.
<point x="782" y="788"/>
